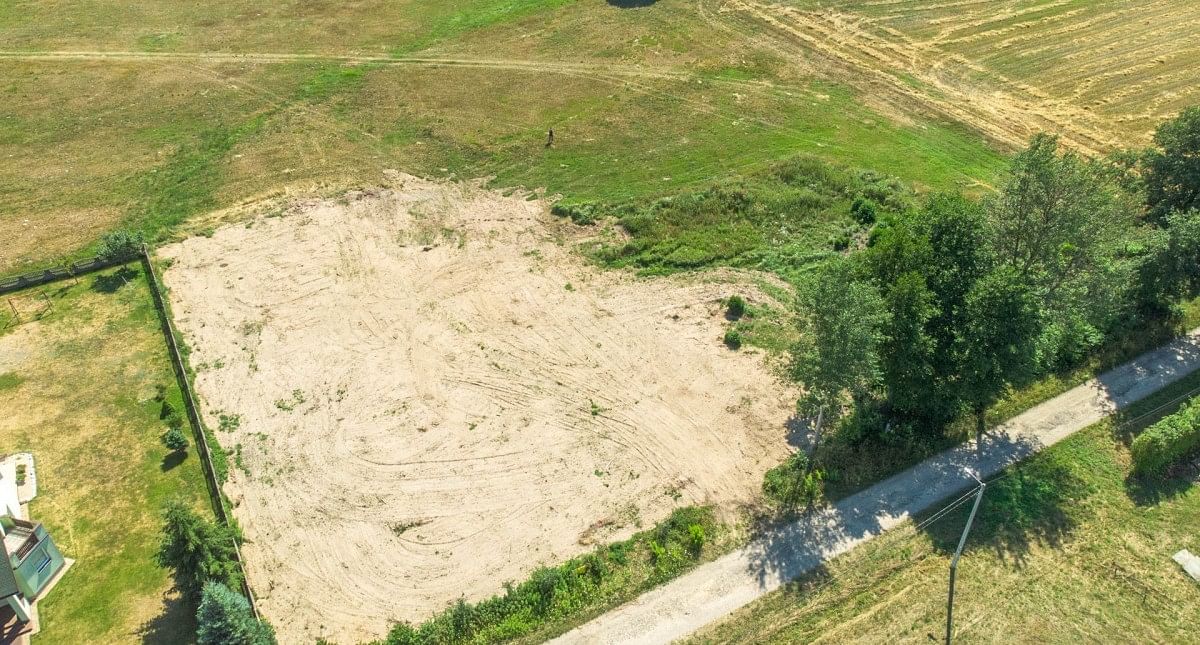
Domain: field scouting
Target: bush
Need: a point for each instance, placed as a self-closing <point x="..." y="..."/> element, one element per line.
<point x="840" y="242"/>
<point x="171" y="415"/>
<point x="695" y="539"/>
<point x="224" y="618"/>
<point x="120" y="245"/>
<point x="198" y="550"/>
<point x="733" y="339"/>
<point x="736" y="307"/>
<point x="582" y="213"/>
<point x="790" y="484"/>
<point x="174" y="439"/>
<point x="864" y="210"/>
<point x="1167" y="441"/>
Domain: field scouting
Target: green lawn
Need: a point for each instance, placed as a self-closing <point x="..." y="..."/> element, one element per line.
<point x="78" y="389"/>
<point x="1066" y="549"/>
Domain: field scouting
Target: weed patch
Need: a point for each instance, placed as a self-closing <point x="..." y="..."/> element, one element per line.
<point x="554" y="598"/>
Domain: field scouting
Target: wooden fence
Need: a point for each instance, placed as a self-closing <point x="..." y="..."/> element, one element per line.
<point x="17" y="282"/>
<point x="193" y="414"/>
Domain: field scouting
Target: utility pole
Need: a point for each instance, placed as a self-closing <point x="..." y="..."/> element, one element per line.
<point x="954" y="561"/>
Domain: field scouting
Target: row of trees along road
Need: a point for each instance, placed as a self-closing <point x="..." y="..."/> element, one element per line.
<point x="952" y="304"/>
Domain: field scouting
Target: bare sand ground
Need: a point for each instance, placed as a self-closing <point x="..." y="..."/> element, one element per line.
<point x="426" y="409"/>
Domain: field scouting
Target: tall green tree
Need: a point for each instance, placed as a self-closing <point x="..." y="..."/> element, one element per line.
<point x="1062" y="224"/>
<point x="1171" y="170"/>
<point x="1172" y="270"/>
<point x="838" y="356"/>
<point x="907" y="349"/>
<point x="997" y="343"/>
<point x="198" y="550"/>
<point x="225" y="618"/>
<point x="924" y="264"/>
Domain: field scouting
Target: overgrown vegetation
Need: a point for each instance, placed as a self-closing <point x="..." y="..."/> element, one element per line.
<point x="553" y="598"/>
<point x="955" y="303"/>
<point x="778" y="220"/>
<point x="1168" y="441"/>
<point x="793" y="484"/>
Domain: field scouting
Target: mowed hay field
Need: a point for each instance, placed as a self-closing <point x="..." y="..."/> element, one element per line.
<point x="118" y="114"/>
<point x="78" y="389"/>
<point x="427" y="394"/>
<point x="1101" y="73"/>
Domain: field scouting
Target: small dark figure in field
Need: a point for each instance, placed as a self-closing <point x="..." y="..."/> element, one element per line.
<point x="550" y="138"/>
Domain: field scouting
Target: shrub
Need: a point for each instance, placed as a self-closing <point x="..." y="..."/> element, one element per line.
<point x="733" y="339"/>
<point x="198" y="550"/>
<point x="582" y="213"/>
<point x="864" y="210"/>
<point x="171" y="415"/>
<point x="840" y="242"/>
<point x="695" y="539"/>
<point x="402" y="634"/>
<point x="1167" y="441"/>
<point x="20" y="474"/>
<point x="224" y="618"/>
<point x="174" y="439"/>
<point x="120" y="245"/>
<point x="736" y="307"/>
<point x="791" y="484"/>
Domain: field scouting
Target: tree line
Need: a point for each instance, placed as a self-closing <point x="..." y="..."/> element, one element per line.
<point x="957" y="300"/>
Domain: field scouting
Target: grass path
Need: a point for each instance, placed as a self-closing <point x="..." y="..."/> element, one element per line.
<point x="712" y="591"/>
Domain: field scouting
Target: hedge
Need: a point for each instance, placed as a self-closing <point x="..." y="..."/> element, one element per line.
<point x="1168" y="441"/>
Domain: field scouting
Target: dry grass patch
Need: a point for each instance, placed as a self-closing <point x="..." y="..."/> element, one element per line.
<point x="1104" y="74"/>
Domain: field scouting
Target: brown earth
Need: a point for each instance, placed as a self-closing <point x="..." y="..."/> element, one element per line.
<point x="436" y="395"/>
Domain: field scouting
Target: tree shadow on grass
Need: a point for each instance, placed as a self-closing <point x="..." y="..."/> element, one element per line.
<point x="1027" y="505"/>
<point x="631" y="4"/>
<point x="1150" y="490"/>
<point x="112" y="282"/>
<point x="802" y="543"/>
<point x="173" y="459"/>
<point x="175" y="623"/>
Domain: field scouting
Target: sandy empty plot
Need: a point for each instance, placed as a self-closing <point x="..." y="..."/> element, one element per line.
<point x="427" y="409"/>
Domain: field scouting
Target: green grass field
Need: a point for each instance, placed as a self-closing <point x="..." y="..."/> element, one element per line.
<point x="78" y="390"/>
<point x="644" y="102"/>
<point x="1067" y="548"/>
